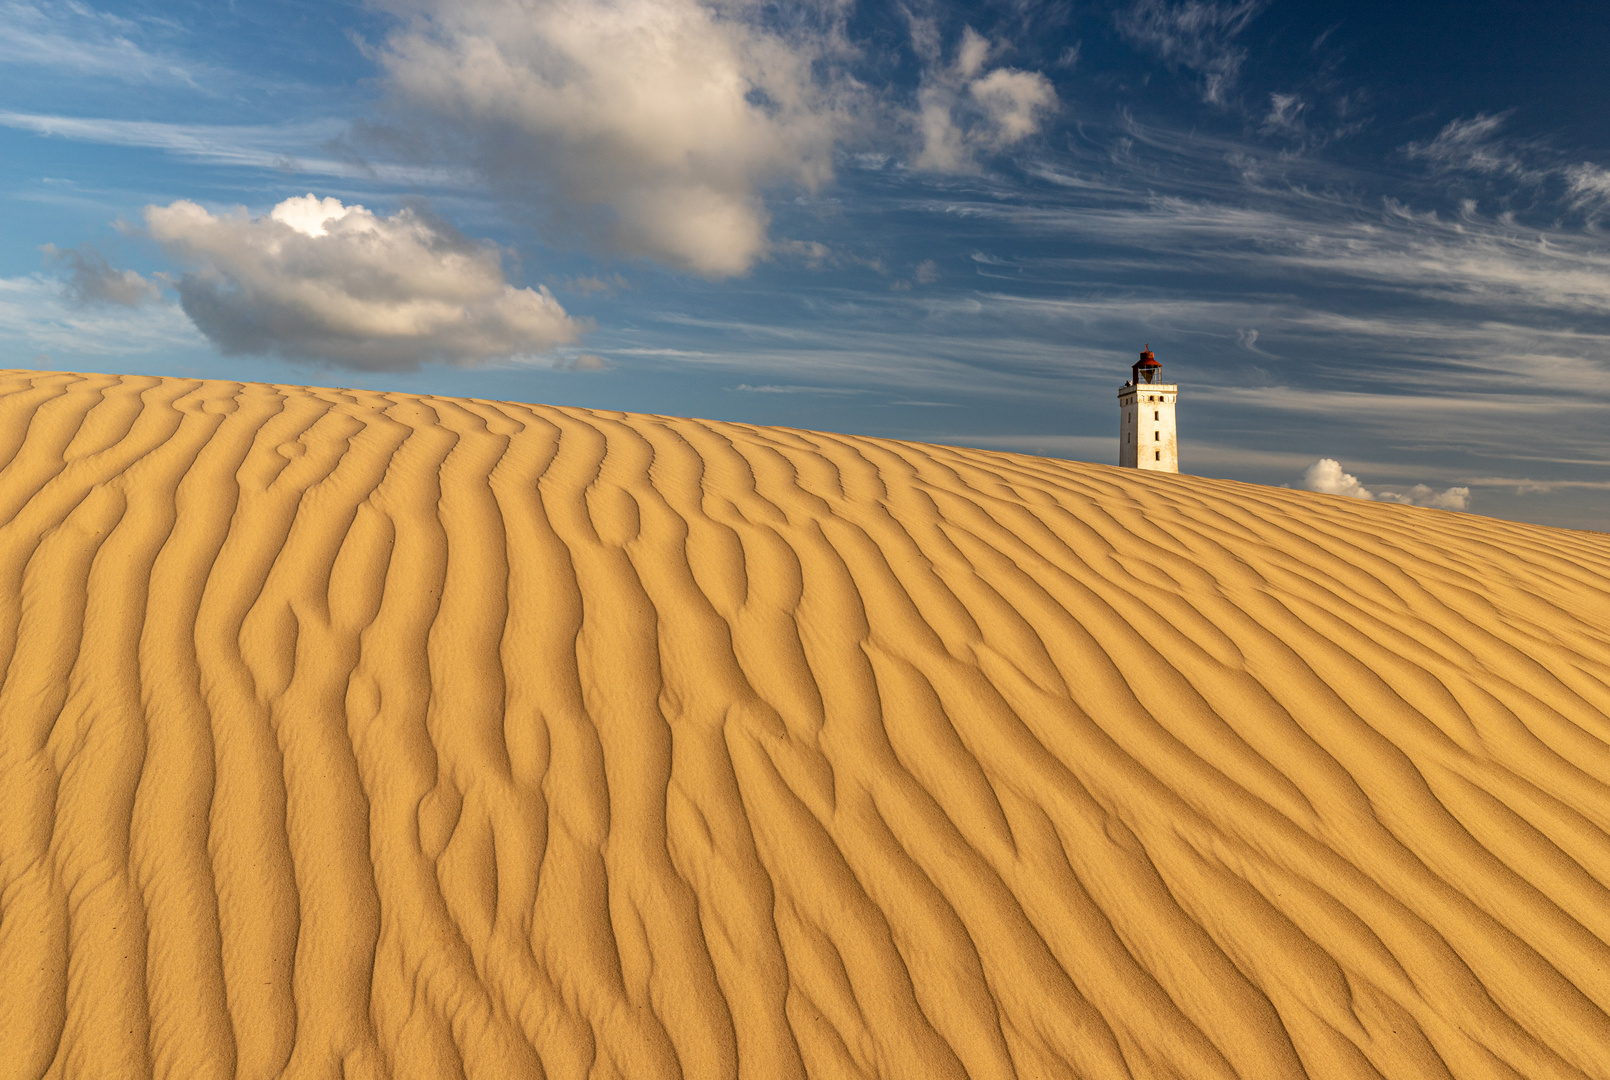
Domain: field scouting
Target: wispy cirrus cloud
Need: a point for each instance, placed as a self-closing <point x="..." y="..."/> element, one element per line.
<point x="88" y="41"/>
<point x="773" y="388"/>
<point x="1285" y="114"/>
<point x="1475" y="146"/>
<point x="1588" y="184"/>
<point x="35" y="315"/>
<point x="1469" y="259"/>
<point x="1198" y="35"/>
<point x="292" y="147"/>
<point x="1478" y="147"/>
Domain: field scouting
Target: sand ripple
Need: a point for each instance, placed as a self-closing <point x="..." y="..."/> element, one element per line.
<point x="346" y="734"/>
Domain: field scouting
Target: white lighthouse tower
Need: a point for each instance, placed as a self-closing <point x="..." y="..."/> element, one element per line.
<point x="1146" y="438"/>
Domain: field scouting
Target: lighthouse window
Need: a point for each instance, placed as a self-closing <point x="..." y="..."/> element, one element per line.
<point x="1157" y="436"/>
<point x="1155" y="416"/>
<point x="1157" y="456"/>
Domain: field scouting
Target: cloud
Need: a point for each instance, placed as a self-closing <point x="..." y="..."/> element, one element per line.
<point x="1543" y="487"/>
<point x="1285" y="114"/>
<point x="317" y="280"/>
<point x="583" y="362"/>
<point x="78" y="38"/>
<point x="1326" y="476"/>
<point x="926" y="272"/>
<point x="658" y="127"/>
<point x="251" y="146"/>
<point x="1454" y="498"/>
<point x="37" y="319"/>
<point x="1196" y="35"/>
<point x="1492" y="263"/>
<point x="1476" y="147"/>
<point x="813" y="253"/>
<point x="90" y="279"/>
<point x="789" y="389"/>
<point x="1471" y="146"/>
<point x="608" y="285"/>
<point x="1587" y="184"/>
<point x="964" y="110"/>
<point x="659" y="120"/>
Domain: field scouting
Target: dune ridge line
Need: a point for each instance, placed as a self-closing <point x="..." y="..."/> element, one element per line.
<point x="353" y="734"/>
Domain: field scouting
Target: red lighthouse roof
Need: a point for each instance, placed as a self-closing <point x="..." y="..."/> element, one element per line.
<point x="1147" y="369"/>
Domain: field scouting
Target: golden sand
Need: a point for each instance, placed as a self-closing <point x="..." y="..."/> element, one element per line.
<point x="347" y="734"/>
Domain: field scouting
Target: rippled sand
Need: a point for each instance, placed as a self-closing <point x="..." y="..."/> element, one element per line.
<point x="355" y="734"/>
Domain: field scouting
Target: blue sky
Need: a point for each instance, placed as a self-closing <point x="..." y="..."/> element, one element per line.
<point x="1370" y="234"/>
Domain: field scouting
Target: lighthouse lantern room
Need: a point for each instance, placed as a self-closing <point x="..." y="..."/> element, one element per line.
<point x="1146" y="435"/>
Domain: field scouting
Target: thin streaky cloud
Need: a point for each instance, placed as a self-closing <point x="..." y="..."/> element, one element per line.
<point x="85" y="41"/>
<point x="1470" y="260"/>
<point x="1198" y="35"/>
<point x="1472" y="145"/>
<point x="1540" y="485"/>
<point x="789" y="389"/>
<point x="1486" y="357"/>
<point x="1476" y="147"/>
<point x="280" y="147"/>
<point x="35" y="311"/>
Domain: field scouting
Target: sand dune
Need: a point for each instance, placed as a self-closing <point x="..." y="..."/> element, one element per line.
<point x="346" y="734"/>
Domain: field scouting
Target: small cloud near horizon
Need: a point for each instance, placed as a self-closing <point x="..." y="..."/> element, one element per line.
<point x="1328" y="477"/>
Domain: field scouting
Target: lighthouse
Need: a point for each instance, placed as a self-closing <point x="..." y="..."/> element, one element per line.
<point x="1146" y="438"/>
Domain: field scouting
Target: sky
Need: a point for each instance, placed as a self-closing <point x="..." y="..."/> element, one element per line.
<point x="1368" y="240"/>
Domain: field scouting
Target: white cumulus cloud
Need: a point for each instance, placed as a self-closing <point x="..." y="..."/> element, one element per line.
<point x="1454" y="498"/>
<point x="964" y="109"/>
<point x="314" y="279"/>
<point x="662" y="119"/>
<point x="1327" y="476"/>
<point x="659" y="127"/>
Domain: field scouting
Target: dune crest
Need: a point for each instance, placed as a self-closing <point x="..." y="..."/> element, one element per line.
<point x="369" y="735"/>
